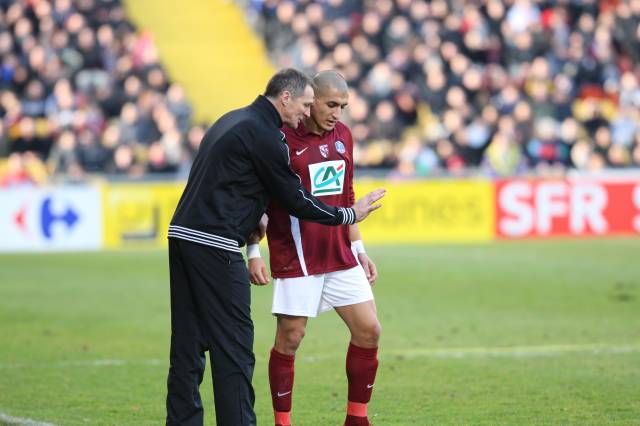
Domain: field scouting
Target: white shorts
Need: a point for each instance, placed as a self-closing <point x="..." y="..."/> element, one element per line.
<point x="311" y="295"/>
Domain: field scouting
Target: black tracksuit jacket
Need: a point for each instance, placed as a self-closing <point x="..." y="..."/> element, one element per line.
<point x="242" y="162"/>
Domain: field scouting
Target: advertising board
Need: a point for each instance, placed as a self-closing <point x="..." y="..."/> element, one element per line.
<point x="50" y="219"/>
<point x="567" y="208"/>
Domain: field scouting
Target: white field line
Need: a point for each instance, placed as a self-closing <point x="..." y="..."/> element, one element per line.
<point x="517" y="351"/>
<point x="5" y="418"/>
<point x="85" y="363"/>
<point x="430" y="353"/>
<point x="500" y="352"/>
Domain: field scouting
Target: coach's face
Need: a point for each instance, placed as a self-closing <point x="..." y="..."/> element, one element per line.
<point x="297" y="108"/>
<point x="327" y="108"/>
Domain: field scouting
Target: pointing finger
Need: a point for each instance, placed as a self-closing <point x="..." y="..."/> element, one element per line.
<point x="374" y="207"/>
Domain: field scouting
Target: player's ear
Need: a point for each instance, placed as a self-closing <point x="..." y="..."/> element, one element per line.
<point x="285" y="97"/>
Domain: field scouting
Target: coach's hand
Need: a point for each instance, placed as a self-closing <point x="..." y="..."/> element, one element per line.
<point x="369" y="268"/>
<point x="365" y="205"/>
<point x="258" y="271"/>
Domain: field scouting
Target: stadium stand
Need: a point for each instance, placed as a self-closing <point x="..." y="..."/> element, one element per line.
<point x="83" y="92"/>
<point x="500" y="88"/>
<point x="505" y="87"/>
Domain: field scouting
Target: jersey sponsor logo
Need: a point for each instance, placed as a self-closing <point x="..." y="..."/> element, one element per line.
<point x="327" y="178"/>
<point x="340" y="147"/>
<point x="324" y="150"/>
<point x="299" y="152"/>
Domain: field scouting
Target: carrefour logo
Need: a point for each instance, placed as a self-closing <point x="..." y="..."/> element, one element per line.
<point x="50" y="218"/>
<point x="327" y="178"/>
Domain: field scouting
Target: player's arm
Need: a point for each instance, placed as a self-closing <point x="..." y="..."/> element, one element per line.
<point x="257" y="268"/>
<point x="367" y="264"/>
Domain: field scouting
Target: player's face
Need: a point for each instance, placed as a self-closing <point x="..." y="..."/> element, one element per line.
<point x="327" y="108"/>
<point x="298" y="108"/>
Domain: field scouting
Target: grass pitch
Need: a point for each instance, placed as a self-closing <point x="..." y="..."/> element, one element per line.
<point x="538" y="333"/>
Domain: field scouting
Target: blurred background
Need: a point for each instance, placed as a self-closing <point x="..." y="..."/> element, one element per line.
<point x="507" y="133"/>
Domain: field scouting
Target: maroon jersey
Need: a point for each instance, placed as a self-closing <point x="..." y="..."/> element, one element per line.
<point x="325" y="166"/>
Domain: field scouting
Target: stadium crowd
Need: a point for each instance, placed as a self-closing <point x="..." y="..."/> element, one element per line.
<point x="440" y="87"/>
<point x="82" y="92"/>
<point x="506" y="87"/>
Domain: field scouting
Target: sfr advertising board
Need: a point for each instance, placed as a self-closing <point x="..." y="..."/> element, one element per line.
<point x="567" y="208"/>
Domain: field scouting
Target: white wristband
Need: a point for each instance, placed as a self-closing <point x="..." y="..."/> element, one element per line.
<point x="358" y="245"/>
<point x="253" y="251"/>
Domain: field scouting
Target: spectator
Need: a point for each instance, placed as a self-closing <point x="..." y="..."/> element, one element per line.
<point x="545" y="148"/>
<point x="22" y="169"/>
<point x="503" y="157"/>
<point x="92" y="156"/>
<point x="63" y="159"/>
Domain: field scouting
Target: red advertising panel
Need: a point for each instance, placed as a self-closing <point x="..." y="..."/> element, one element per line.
<point x="583" y="207"/>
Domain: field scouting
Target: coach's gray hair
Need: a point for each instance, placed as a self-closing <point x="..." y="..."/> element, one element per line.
<point x="288" y="79"/>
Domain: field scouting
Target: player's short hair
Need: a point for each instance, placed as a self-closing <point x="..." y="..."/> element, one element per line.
<point x="329" y="79"/>
<point x="288" y="79"/>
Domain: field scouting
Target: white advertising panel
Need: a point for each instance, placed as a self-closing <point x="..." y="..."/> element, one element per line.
<point x="50" y="219"/>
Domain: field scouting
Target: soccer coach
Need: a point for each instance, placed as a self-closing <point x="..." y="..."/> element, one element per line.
<point x="242" y="162"/>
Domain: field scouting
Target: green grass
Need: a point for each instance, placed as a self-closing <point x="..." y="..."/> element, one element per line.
<point x="539" y="333"/>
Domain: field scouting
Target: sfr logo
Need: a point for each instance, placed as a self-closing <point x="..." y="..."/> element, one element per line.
<point x="548" y="208"/>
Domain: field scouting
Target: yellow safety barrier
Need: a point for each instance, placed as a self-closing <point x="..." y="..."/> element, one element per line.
<point x="207" y="46"/>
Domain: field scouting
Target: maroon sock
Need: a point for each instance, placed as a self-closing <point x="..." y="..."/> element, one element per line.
<point x="281" y="382"/>
<point x="356" y="421"/>
<point x="362" y="364"/>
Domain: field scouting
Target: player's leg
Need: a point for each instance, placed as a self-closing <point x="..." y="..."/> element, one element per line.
<point x="289" y="333"/>
<point x="294" y="300"/>
<point x="187" y="360"/>
<point x="362" y="321"/>
<point x="223" y="305"/>
<point x="362" y="358"/>
<point x="350" y="294"/>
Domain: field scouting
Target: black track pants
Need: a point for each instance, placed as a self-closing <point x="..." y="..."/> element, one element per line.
<point x="210" y="310"/>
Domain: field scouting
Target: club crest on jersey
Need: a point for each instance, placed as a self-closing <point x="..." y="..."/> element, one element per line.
<point x="324" y="150"/>
<point x="327" y="178"/>
<point x="340" y="147"/>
